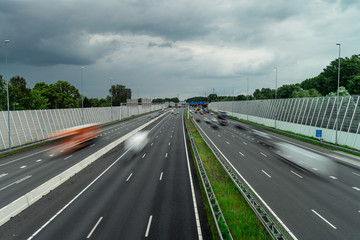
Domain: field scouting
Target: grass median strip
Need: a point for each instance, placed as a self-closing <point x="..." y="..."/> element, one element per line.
<point x="241" y="219"/>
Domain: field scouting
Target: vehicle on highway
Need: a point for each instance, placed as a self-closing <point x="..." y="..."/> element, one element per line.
<point x="222" y="115"/>
<point x="137" y="142"/>
<point x="207" y="120"/>
<point x="214" y="120"/>
<point x="198" y="119"/>
<point x="71" y="139"/>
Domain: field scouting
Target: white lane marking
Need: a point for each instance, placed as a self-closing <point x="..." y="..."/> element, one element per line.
<point x="356" y="188"/>
<point x="233" y="136"/>
<point x="315" y="169"/>
<point x="144" y="155"/>
<point x="148" y="227"/>
<point x="161" y="176"/>
<point x="23" y="167"/>
<point x="245" y="143"/>
<point x="92" y="230"/>
<point x="68" y="157"/>
<point x="166" y="155"/>
<point x="107" y="138"/>
<point x="3" y="175"/>
<point x="51" y="155"/>
<point x="356" y="174"/>
<point x="92" y="145"/>
<point x="219" y="135"/>
<point x="323" y="218"/>
<point x="192" y="185"/>
<point x="332" y="177"/>
<point x="157" y="136"/>
<point x="169" y="143"/>
<point x="266" y="173"/>
<point x="39" y="160"/>
<point x="171" y="136"/>
<point x="296" y="174"/>
<point x="129" y="177"/>
<point x="17" y="182"/>
<point x="263" y="154"/>
<point x="241" y="154"/>
<point x="227" y="142"/>
<point x="151" y="144"/>
<point x="76" y="197"/>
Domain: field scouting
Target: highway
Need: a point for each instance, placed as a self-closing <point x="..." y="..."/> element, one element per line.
<point x="152" y="194"/>
<point x="309" y="203"/>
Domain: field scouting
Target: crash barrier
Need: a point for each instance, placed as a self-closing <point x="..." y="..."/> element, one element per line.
<point x="20" y="204"/>
<point x="218" y="216"/>
<point x="29" y="126"/>
<point x="246" y="190"/>
<point x="324" y="118"/>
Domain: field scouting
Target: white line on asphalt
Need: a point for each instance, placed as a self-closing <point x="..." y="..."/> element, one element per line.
<point x="263" y="154"/>
<point x="332" y="177"/>
<point x="315" y="169"/>
<point x="3" y="175"/>
<point x="17" y="182"/>
<point x="356" y="174"/>
<point x="219" y="135"/>
<point x="161" y="176"/>
<point x="97" y="223"/>
<point x="68" y="157"/>
<point x="148" y="227"/>
<point x="356" y="188"/>
<point x="296" y="174"/>
<point x="129" y="177"/>
<point x="241" y="154"/>
<point x="39" y="160"/>
<point x="92" y="145"/>
<point x="166" y="155"/>
<point x="144" y="155"/>
<point x="51" y="155"/>
<point x="171" y="136"/>
<point x="157" y="136"/>
<point x="107" y="138"/>
<point x="227" y="142"/>
<point x="253" y="190"/>
<point x="266" y="173"/>
<point x="169" y="143"/>
<point x="245" y="143"/>
<point x="233" y="136"/>
<point x="23" y="167"/>
<point x="323" y="218"/>
<point x="151" y="143"/>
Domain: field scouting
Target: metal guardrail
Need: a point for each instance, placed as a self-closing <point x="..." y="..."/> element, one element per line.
<point x="222" y="227"/>
<point x="259" y="210"/>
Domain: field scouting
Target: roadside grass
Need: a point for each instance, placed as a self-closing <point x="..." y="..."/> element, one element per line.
<point x="240" y="218"/>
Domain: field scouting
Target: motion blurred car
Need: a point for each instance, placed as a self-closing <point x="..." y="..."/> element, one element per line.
<point x="207" y="120"/>
<point x="137" y="142"/>
<point x="198" y="119"/>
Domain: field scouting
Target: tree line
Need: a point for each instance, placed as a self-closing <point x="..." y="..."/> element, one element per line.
<point x="325" y="84"/>
<point x="60" y="94"/>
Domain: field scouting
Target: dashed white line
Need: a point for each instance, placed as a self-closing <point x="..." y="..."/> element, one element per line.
<point x="241" y="154"/>
<point x="23" y="167"/>
<point x="219" y="135"/>
<point x="171" y="136"/>
<point x="39" y="160"/>
<point x="143" y="155"/>
<point x="266" y="173"/>
<point x="92" y="145"/>
<point x="51" y="155"/>
<point x="296" y="174"/>
<point x="92" y="230"/>
<point x="323" y="218"/>
<point x="169" y="143"/>
<point x="151" y="144"/>
<point x="68" y="157"/>
<point x="129" y="177"/>
<point x="148" y="227"/>
<point x="227" y="142"/>
<point x="263" y="154"/>
<point x="166" y="155"/>
<point x="157" y="136"/>
<point x="315" y="169"/>
<point x="356" y="174"/>
<point x="17" y="182"/>
<point x="3" y="175"/>
<point x="356" y="188"/>
<point x="332" y="177"/>
<point x="245" y="143"/>
<point x="161" y="174"/>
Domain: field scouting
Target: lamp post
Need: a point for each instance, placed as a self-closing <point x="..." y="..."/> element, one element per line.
<point x="247" y="99"/>
<point x="82" y="97"/>
<point x="275" y="93"/>
<point x="7" y="93"/>
<point x="337" y="99"/>
<point x="111" y="93"/>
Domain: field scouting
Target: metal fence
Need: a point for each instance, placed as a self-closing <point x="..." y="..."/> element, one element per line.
<point x="34" y="125"/>
<point x="303" y="116"/>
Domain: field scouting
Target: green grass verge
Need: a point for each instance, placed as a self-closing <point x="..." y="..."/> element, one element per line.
<point x="242" y="221"/>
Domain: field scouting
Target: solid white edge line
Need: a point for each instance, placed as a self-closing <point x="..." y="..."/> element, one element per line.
<point x="253" y="190"/>
<point x="323" y="219"/>
<point x="129" y="177"/>
<point x="192" y="185"/>
<point x="298" y="175"/>
<point x="148" y="227"/>
<point x="92" y="230"/>
<point x="266" y="173"/>
<point x="356" y="188"/>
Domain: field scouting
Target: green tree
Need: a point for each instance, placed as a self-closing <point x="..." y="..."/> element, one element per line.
<point x="19" y="94"/>
<point x="119" y="94"/>
<point x="38" y="101"/>
<point x="354" y="85"/>
<point x="3" y="94"/>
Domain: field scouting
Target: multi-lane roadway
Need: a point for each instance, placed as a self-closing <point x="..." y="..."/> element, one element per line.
<point x="151" y="194"/>
<point x="312" y="204"/>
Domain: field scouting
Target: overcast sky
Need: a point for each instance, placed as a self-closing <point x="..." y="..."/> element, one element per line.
<point x="165" y="48"/>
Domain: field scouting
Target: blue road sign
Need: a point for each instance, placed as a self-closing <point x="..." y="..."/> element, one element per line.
<point x="318" y="133"/>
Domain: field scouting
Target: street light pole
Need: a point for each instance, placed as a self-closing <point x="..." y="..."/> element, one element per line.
<point x="275" y="93"/>
<point x="82" y="97"/>
<point x="7" y="93"/>
<point x="247" y="99"/>
<point x="337" y="99"/>
<point x="111" y="93"/>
